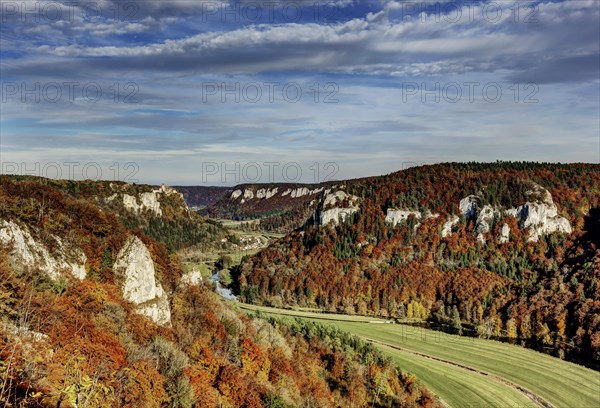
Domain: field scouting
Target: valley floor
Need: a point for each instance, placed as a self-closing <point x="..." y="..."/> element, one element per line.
<point x="469" y="372"/>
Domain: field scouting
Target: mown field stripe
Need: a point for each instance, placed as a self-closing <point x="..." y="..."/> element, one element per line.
<point x="455" y="386"/>
<point x="561" y="383"/>
<point x="536" y="399"/>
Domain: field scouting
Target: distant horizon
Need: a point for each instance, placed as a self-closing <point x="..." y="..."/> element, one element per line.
<point x="283" y="182"/>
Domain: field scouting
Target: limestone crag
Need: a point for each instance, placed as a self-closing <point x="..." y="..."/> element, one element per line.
<point x="331" y="212"/>
<point x="28" y="253"/>
<point x="395" y="216"/>
<point x="135" y="268"/>
<point x="539" y="216"/>
<point x="266" y="193"/>
<point x="147" y="201"/>
<point x="504" y="234"/>
<point x="449" y="224"/>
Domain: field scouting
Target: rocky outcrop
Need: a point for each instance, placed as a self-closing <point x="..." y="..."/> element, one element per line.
<point x="395" y="217"/>
<point x="300" y="192"/>
<point x="135" y="268"/>
<point x="247" y="194"/>
<point x="28" y="253"/>
<point x="485" y="219"/>
<point x="449" y="224"/>
<point x="468" y="206"/>
<point x="471" y="207"/>
<point x="539" y="216"/>
<point x="332" y="213"/>
<point x="504" y="234"/>
<point x="150" y="202"/>
<point x="265" y="193"/>
<point x="147" y="201"/>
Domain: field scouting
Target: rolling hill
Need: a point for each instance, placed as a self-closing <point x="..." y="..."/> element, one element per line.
<point x="97" y="311"/>
<point x="505" y="250"/>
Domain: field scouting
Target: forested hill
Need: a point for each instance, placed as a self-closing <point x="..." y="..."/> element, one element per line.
<point x="201" y="196"/>
<point x="506" y="249"/>
<point x="97" y="311"/>
<point x="280" y="207"/>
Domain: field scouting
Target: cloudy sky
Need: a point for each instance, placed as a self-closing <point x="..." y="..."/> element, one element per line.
<point x="225" y="92"/>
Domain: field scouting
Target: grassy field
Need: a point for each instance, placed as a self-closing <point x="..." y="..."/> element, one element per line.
<point x="300" y="312"/>
<point x="456" y="386"/>
<point x="561" y="383"/>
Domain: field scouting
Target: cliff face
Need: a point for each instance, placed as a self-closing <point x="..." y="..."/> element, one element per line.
<point x="395" y="216"/>
<point x="146" y="201"/>
<point x="538" y="215"/>
<point x="26" y="252"/>
<point x="134" y="266"/>
<point x="69" y="230"/>
<point x="333" y="209"/>
<point x="282" y="207"/>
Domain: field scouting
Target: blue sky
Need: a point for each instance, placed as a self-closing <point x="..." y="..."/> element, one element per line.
<point x="225" y="92"/>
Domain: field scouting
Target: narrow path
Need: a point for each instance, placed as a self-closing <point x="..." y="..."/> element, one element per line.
<point x="536" y="399"/>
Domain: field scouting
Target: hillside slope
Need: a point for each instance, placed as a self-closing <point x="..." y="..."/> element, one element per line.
<point x="502" y="250"/>
<point x="281" y="207"/>
<point x="200" y="197"/>
<point x="97" y="312"/>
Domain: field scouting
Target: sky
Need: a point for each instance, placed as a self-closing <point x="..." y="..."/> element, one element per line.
<point x="228" y="92"/>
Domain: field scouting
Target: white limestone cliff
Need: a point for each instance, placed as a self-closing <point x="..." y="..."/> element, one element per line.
<point x="147" y="201"/>
<point x="266" y="193"/>
<point x="539" y="215"/>
<point x="504" y="234"/>
<point x="331" y="213"/>
<point x="395" y="216"/>
<point x="150" y="202"/>
<point x="449" y="224"/>
<point x="300" y="192"/>
<point x="28" y="253"/>
<point x="485" y="218"/>
<point x="135" y="267"/>
<point x="468" y="206"/>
